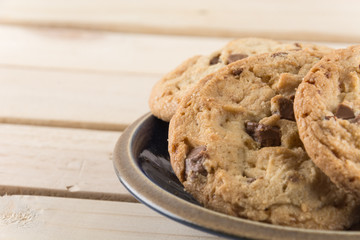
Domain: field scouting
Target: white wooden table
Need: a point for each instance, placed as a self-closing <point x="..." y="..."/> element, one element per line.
<point x="75" y="73"/>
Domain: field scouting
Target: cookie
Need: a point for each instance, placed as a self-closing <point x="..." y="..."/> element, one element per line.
<point x="327" y="107"/>
<point x="234" y="145"/>
<point x="168" y="92"/>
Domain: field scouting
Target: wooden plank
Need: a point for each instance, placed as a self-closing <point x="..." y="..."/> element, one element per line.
<point x="99" y="52"/>
<point x="73" y="99"/>
<point x="280" y="19"/>
<point x="94" y="51"/>
<point x="30" y="217"/>
<point x="59" y="162"/>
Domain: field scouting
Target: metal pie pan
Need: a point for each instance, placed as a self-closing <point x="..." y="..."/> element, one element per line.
<point x="142" y="166"/>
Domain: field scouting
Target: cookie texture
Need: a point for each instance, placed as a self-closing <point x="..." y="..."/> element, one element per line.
<point x="234" y="145"/>
<point x="168" y="92"/>
<point x="327" y="109"/>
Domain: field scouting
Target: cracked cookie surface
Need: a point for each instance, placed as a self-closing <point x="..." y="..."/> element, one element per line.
<point x="168" y="92"/>
<point x="327" y="108"/>
<point x="234" y="145"/>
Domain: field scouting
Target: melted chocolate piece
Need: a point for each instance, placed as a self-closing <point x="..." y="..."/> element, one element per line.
<point x="279" y="54"/>
<point x="215" y="60"/>
<point x="194" y="162"/>
<point x="237" y="72"/>
<point x="267" y="136"/>
<point x="286" y="109"/>
<point x="235" y="57"/>
<point x="344" y="112"/>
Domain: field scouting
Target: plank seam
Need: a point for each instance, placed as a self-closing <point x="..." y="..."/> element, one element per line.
<point x="64" y="124"/>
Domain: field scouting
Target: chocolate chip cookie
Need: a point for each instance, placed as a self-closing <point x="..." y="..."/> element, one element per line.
<point x="234" y="144"/>
<point x="167" y="93"/>
<point x="327" y="109"/>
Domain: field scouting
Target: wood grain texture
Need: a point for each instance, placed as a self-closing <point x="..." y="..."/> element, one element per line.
<point x="73" y="99"/>
<point x="96" y="51"/>
<point x="59" y="162"/>
<point x="91" y="65"/>
<point x="311" y="20"/>
<point x="31" y="217"/>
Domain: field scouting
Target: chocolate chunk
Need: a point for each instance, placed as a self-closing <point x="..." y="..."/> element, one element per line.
<point x="267" y="136"/>
<point x="344" y="112"/>
<point x="250" y="128"/>
<point x="237" y="72"/>
<point x="286" y="109"/>
<point x="279" y="54"/>
<point x="297" y="45"/>
<point x="215" y="60"/>
<point x="194" y="162"/>
<point x="235" y="57"/>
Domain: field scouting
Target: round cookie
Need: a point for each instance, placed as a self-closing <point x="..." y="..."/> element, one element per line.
<point x="327" y="107"/>
<point x="168" y="92"/>
<point x="234" y="145"/>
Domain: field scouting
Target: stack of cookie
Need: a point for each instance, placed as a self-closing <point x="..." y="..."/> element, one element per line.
<point x="268" y="131"/>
